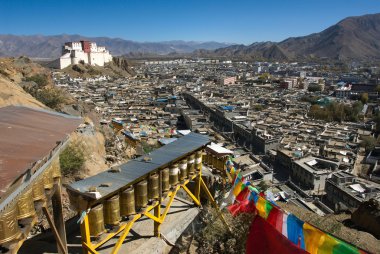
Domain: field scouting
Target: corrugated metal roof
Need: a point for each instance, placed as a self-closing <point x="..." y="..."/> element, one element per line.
<point x="26" y="136"/>
<point x="136" y="169"/>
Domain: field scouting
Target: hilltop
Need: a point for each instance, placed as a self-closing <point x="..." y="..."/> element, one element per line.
<point x="119" y="67"/>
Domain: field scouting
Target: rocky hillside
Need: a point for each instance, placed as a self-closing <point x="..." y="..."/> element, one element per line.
<point x="355" y="38"/>
<point x="119" y="67"/>
<point x="12" y="72"/>
<point x="40" y="46"/>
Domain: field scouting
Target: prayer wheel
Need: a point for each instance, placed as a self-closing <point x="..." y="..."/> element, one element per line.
<point x="25" y="205"/>
<point x="213" y="161"/>
<point x="207" y="158"/>
<point x="112" y="211"/>
<point x="56" y="170"/>
<point x="198" y="160"/>
<point x="220" y="164"/>
<point x="127" y="202"/>
<point x="190" y="165"/>
<point x="165" y="180"/>
<point x="96" y="220"/>
<point x="48" y="179"/>
<point x="153" y="188"/>
<point x="39" y="190"/>
<point x="9" y="229"/>
<point x="183" y="170"/>
<point x="173" y="174"/>
<point x="141" y="194"/>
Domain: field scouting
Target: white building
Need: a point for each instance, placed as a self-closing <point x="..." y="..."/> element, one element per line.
<point x="83" y="52"/>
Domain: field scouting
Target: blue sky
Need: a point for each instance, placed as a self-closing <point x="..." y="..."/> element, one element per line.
<point x="238" y="21"/>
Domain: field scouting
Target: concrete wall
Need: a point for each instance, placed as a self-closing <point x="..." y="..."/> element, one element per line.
<point x="308" y="180"/>
<point x="336" y="195"/>
<point x="64" y="61"/>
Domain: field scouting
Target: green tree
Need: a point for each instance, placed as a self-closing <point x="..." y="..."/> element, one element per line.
<point x="377" y="89"/>
<point x="263" y="186"/>
<point x="72" y="158"/>
<point x="364" y="98"/>
<point x="368" y="142"/>
<point x="376" y="119"/>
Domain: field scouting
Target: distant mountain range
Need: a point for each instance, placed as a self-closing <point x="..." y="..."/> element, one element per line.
<point x="353" y="38"/>
<point x="50" y="46"/>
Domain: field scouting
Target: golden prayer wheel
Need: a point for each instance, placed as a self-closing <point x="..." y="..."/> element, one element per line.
<point x="96" y="220"/>
<point x="191" y="165"/>
<point x="183" y="170"/>
<point x="207" y="159"/>
<point x="9" y="229"/>
<point x="141" y="194"/>
<point x="39" y="190"/>
<point x="173" y="174"/>
<point x="165" y="180"/>
<point x="25" y="205"/>
<point x="220" y="163"/>
<point x="56" y="169"/>
<point x="112" y="211"/>
<point x="198" y="160"/>
<point x="153" y="188"/>
<point x="213" y="161"/>
<point x="127" y="202"/>
<point x="48" y="179"/>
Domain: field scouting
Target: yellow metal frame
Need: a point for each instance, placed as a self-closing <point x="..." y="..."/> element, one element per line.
<point x="158" y="217"/>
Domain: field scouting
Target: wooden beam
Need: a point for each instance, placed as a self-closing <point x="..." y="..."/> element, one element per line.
<point x="61" y="246"/>
<point x="59" y="222"/>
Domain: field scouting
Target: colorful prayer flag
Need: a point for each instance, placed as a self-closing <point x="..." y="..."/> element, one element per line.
<point x="263" y="207"/>
<point x="263" y="238"/>
<point x="318" y="242"/>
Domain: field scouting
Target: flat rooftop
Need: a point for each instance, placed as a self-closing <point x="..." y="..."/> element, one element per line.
<point x="26" y="136"/>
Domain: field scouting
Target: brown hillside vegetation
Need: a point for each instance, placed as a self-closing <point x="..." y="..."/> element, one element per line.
<point x="26" y="83"/>
<point x="13" y="94"/>
<point x="12" y="71"/>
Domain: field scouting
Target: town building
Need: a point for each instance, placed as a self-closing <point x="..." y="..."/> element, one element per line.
<point x="344" y="190"/>
<point x="310" y="173"/>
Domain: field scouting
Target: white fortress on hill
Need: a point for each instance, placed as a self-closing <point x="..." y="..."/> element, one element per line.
<point x="83" y="52"/>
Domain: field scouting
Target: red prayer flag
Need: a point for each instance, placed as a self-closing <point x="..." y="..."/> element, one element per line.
<point x="245" y="206"/>
<point x="264" y="238"/>
<point x="275" y="218"/>
<point x="243" y="195"/>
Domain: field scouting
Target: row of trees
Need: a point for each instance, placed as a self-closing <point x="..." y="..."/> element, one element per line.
<point x="337" y="112"/>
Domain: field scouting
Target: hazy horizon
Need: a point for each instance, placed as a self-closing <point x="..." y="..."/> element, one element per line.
<point x="238" y="22"/>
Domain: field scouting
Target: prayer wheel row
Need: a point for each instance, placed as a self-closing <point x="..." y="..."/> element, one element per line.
<point x="24" y="206"/>
<point x="185" y="168"/>
<point x="134" y="199"/>
<point x="214" y="161"/>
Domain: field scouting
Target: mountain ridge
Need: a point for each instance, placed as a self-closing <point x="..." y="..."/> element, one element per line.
<point x="353" y="38"/>
<point x="50" y="46"/>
